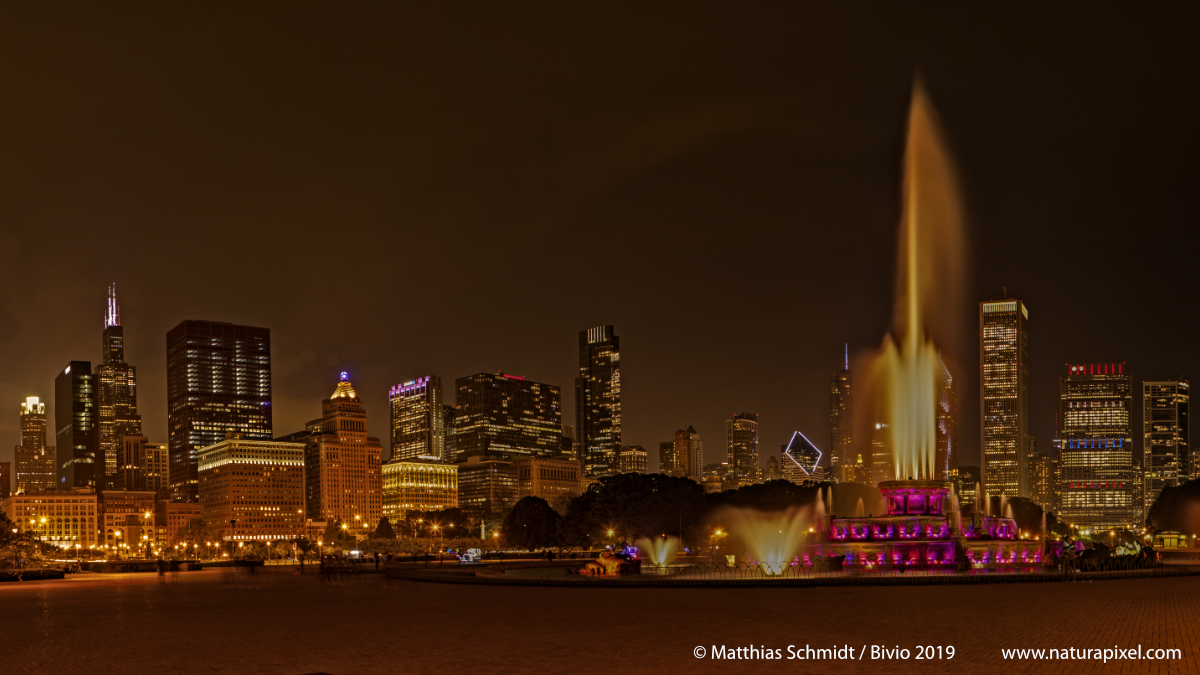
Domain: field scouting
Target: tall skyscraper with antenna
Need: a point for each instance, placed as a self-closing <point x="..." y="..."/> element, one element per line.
<point x="116" y="394"/>
<point x="841" y="451"/>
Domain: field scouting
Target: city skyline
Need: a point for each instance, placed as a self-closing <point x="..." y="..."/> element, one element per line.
<point x="801" y="164"/>
<point x="976" y="460"/>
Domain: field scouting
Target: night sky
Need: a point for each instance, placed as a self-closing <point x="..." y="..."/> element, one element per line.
<point x="398" y="192"/>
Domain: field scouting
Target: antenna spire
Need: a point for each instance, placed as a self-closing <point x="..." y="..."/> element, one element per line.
<point x="112" y="315"/>
<point x="847" y="356"/>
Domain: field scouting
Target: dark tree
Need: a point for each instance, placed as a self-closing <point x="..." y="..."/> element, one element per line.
<point x="1027" y="514"/>
<point x="775" y="495"/>
<point x="1177" y="508"/>
<point x="635" y="505"/>
<point x="383" y="530"/>
<point x="531" y="524"/>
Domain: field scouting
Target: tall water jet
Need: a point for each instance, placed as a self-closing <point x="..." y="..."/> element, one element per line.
<point x="860" y="511"/>
<point x="907" y="372"/>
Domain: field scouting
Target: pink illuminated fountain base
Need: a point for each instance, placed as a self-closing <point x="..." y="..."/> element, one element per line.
<point x="919" y="532"/>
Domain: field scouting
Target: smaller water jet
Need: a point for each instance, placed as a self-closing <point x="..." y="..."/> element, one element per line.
<point x="659" y="551"/>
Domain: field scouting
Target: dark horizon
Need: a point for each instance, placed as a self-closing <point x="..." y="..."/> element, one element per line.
<point x="405" y="192"/>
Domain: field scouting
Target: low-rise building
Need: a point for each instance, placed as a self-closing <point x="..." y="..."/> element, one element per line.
<point x="65" y="518"/>
<point x="127" y="520"/>
<point x="551" y="478"/>
<point x="174" y="516"/>
<point x="632" y="459"/>
<point x="416" y="485"/>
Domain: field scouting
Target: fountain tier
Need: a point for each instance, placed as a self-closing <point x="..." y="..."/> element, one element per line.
<point x="918" y="533"/>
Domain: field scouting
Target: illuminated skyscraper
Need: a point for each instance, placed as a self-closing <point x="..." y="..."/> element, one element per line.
<point x="35" y="459"/>
<point x="688" y="454"/>
<point x="1101" y="477"/>
<point x="1167" y="461"/>
<point x="667" y="462"/>
<point x="77" y="433"/>
<point x="342" y="474"/>
<point x="883" y="464"/>
<point x="969" y="480"/>
<point x="1043" y="477"/>
<point x="218" y="382"/>
<point x="741" y="443"/>
<point x="506" y="416"/>
<point x="1004" y="399"/>
<point x="418" y="428"/>
<point x="142" y="465"/>
<point x="802" y="461"/>
<point x="5" y="479"/>
<point x="598" y="401"/>
<point x="116" y="393"/>
<point x="946" y="460"/>
<point x="841" y="447"/>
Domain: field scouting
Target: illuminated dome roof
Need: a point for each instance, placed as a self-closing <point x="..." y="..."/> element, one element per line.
<point x="344" y="388"/>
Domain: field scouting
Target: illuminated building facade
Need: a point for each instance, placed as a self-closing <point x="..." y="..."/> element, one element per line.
<point x="771" y="471"/>
<point x="65" y="518"/>
<point x="418" y="485"/>
<point x="667" y="463"/>
<point x="632" y="459"/>
<point x="861" y="472"/>
<point x="1043" y="478"/>
<point x="35" y="459"/>
<point x="116" y="394"/>
<point x="841" y="423"/>
<point x="1101" y="477"/>
<point x="1004" y="396"/>
<point x="883" y="465"/>
<point x="486" y="485"/>
<point x="449" y="445"/>
<point x="218" y="382"/>
<point x="342" y="477"/>
<point x="946" y="453"/>
<point x="598" y="401"/>
<point x="688" y="451"/>
<point x="418" y="428"/>
<point x="141" y="465"/>
<point x="552" y="478"/>
<point x="506" y="416"/>
<point x="802" y="463"/>
<point x="1167" y="460"/>
<point x="5" y="479"/>
<point x="252" y="490"/>
<point x="741" y="443"/>
<point x="173" y="516"/>
<point x="77" y="433"/>
<point x="127" y="520"/>
<point x="968" y="485"/>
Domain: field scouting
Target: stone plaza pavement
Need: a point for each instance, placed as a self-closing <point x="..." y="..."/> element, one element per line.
<point x="274" y="622"/>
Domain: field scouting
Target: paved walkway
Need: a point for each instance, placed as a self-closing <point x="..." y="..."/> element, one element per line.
<point x="273" y="622"/>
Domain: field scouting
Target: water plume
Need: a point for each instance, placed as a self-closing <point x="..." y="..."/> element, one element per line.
<point x="771" y="539"/>
<point x="906" y="374"/>
<point x="660" y="551"/>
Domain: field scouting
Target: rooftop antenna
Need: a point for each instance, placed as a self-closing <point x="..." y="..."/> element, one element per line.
<point x="112" y="315"/>
<point x="847" y="356"/>
<point x="1005" y="292"/>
